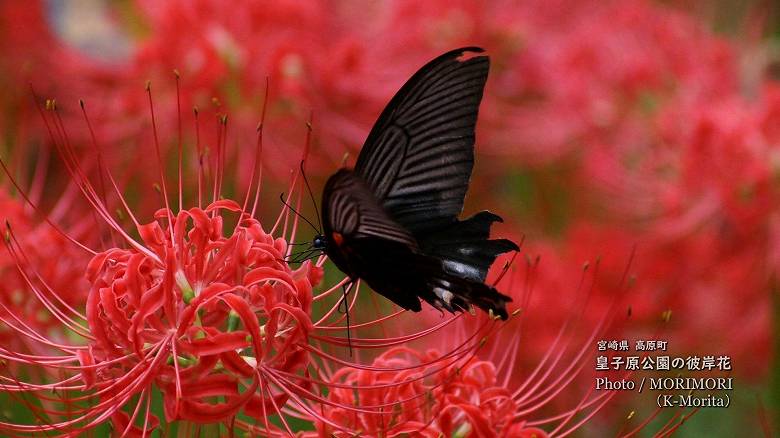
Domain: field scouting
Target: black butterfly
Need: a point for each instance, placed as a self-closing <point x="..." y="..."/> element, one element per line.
<point x="393" y="220"/>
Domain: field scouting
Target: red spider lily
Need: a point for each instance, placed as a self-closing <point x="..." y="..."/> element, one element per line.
<point x="192" y="310"/>
<point x="422" y="394"/>
<point x="199" y="316"/>
<point x="201" y="297"/>
<point x="57" y="264"/>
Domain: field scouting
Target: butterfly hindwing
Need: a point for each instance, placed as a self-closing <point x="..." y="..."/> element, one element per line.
<point x="464" y="247"/>
<point x="418" y="157"/>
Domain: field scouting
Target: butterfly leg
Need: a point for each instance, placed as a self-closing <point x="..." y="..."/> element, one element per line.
<point x="346" y="288"/>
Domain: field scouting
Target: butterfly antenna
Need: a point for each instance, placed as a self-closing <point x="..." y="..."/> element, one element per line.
<point x="311" y="195"/>
<point x="281" y="198"/>
<point x="347" y="288"/>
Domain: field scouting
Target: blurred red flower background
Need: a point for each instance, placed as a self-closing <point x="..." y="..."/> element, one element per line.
<point x="635" y="135"/>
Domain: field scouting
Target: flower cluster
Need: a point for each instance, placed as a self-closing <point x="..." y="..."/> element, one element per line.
<point x="41" y="262"/>
<point x="191" y="298"/>
<point x="195" y="313"/>
<point x="426" y="394"/>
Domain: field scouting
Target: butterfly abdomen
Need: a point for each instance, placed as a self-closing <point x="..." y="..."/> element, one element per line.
<point x="455" y="293"/>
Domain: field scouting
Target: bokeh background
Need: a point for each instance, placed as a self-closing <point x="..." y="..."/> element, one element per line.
<point x="607" y="128"/>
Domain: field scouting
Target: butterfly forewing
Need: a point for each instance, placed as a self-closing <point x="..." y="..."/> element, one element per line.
<point x="351" y="210"/>
<point x="418" y="158"/>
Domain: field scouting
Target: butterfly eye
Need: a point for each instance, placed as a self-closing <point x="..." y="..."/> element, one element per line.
<point x="319" y="242"/>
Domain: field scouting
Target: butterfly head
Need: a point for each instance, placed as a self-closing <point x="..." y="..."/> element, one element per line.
<point x="319" y="242"/>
